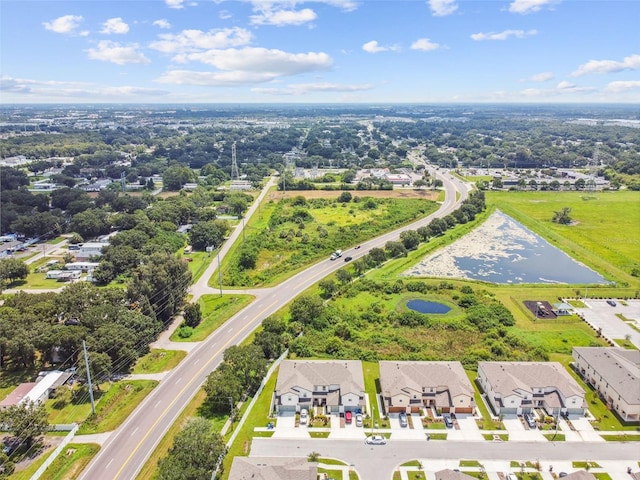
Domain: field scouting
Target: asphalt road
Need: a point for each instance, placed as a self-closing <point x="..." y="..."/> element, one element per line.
<point x="378" y="462"/>
<point x="129" y="447"/>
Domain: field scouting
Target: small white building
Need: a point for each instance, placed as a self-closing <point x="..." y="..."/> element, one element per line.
<point x="54" y="274"/>
<point x="91" y="249"/>
<point x="82" y="266"/>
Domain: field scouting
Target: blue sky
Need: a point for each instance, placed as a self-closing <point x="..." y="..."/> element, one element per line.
<point x="326" y="51"/>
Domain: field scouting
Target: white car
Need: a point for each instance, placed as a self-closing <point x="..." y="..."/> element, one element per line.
<point x="376" y="440"/>
<point x="304" y="416"/>
<point x="358" y="419"/>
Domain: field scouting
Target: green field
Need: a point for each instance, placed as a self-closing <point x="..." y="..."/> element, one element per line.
<point x="215" y="310"/>
<point x="116" y="405"/>
<point x="158" y="360"/>
<point x="288" y="235"/>
<point x="597" y="216"/>
<point x="71" y="461"/>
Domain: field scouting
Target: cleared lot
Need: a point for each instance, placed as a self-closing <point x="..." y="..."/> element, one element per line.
<point x="600" y="315"/>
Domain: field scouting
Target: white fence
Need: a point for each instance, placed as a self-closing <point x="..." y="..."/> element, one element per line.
<point x="55" y="453"/>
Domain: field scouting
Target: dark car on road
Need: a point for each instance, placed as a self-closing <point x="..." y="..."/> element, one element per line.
<point x="348" y="259"/>
<point x="611" y="302"/>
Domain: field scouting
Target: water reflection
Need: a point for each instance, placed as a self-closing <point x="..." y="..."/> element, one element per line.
<point x="502" y="250"/>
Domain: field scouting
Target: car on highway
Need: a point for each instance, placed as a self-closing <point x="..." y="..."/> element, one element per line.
<point x="348" y="259"/>
<point x="356" y="247"/>
<point x="611" y="302"/>
<point x="376" y="440"/>
<point x="403" y="420"/>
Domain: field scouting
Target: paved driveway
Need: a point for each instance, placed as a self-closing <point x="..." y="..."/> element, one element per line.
<point x="518" y="433"/>
<point x="585" y="430"/>
<point x="468" y="429"/>
<point x="286" y="427"/>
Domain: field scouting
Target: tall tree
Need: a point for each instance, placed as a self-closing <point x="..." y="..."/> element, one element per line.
<point x="25" y="421"/>
<point x="196" y="451"/>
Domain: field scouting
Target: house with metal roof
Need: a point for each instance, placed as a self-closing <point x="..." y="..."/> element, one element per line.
<point x="615" y="373"/>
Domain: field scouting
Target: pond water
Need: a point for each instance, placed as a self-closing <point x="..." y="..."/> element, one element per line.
<point x="502" y="250"/>
<point x="424" y="306"/>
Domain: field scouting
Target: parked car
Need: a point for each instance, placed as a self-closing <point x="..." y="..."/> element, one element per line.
<point x="530" y="420"/>
<point x="403" y="420"/>
<point x="348" y="417"/>
<point x="359" y="419"/>
<point x="447" y="420"/>
<point x="304" y="416"/>
<point x="376" y="440"/>
<point x="611" y="302"/>
<point x="511" y="476"/>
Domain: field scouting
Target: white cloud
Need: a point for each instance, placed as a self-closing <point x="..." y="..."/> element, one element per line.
<point x="540" y="77"/>
<point x="174" y="3"/>
<point x="48" y="90"/>
<point x="284" y="17"/>
<point x="66" y="24"/>
<point x="374" y="47"/>
<point x="273" y="61"/>
<point x="503" y="35"/>
<point x="247" y="66"/>
<point x="608" y="66"/>
<point x="304" y="88"/>
<point x="109" y="51"/>
<point x="114" y="25"/>
<point x="260" y="5"/>
<point x="162" y="23"/>
<point x="425" y="45"/>
<point x="442" y="8"/>
<point x="622" y="86"/>
<point x="193" y="40"/>
<point x="225" y="15"/>
<point x="529" y="6"/>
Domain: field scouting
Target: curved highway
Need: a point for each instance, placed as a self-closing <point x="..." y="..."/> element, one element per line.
<point x="128" y="448"/>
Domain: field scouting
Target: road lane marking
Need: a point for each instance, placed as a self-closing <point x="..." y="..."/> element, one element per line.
<point x="177" y="381"/>
<point x="175" y="399"/>
<point x="134" y="431"/>
<point x="157" y="403"/>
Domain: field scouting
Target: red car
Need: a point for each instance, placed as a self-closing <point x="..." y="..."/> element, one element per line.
<point x="348" y="417"/>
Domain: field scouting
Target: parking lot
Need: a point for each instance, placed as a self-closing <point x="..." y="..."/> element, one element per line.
<point x="600" y="315"/>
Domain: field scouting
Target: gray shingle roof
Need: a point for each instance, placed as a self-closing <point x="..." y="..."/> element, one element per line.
<point x="273" y="468"/>
<point x="347" y="374"/>
<point x="507" y="377"/>
<point x="619" y="367"/>
<point x="405" y="377"/>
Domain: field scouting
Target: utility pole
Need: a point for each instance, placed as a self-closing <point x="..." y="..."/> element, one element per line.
<point x="86" y="364"/>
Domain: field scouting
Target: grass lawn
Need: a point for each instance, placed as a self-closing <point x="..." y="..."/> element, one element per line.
<point x="558" y="437"/>
<point x="215" y="310"/>
<point x="259" y="416"/>
<point x="71" y="461"/>
<point x="56" y="240"/>
<point x="622" y="438"/>
<point x="158" y="360"/>
<point x="28" y="472"/>
<point x="371" y="371"/>
<point x="597" y="215"/>
<point x="200" y="262"/>
<point x="116" y="405"/>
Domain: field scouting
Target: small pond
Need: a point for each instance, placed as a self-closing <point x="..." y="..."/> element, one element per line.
<point x="502" y="250"/>
<point x="423" y="306"/>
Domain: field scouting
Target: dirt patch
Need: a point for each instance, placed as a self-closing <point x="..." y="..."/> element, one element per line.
<point x="540" y="309"/>
<point x="400" y="193"/>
